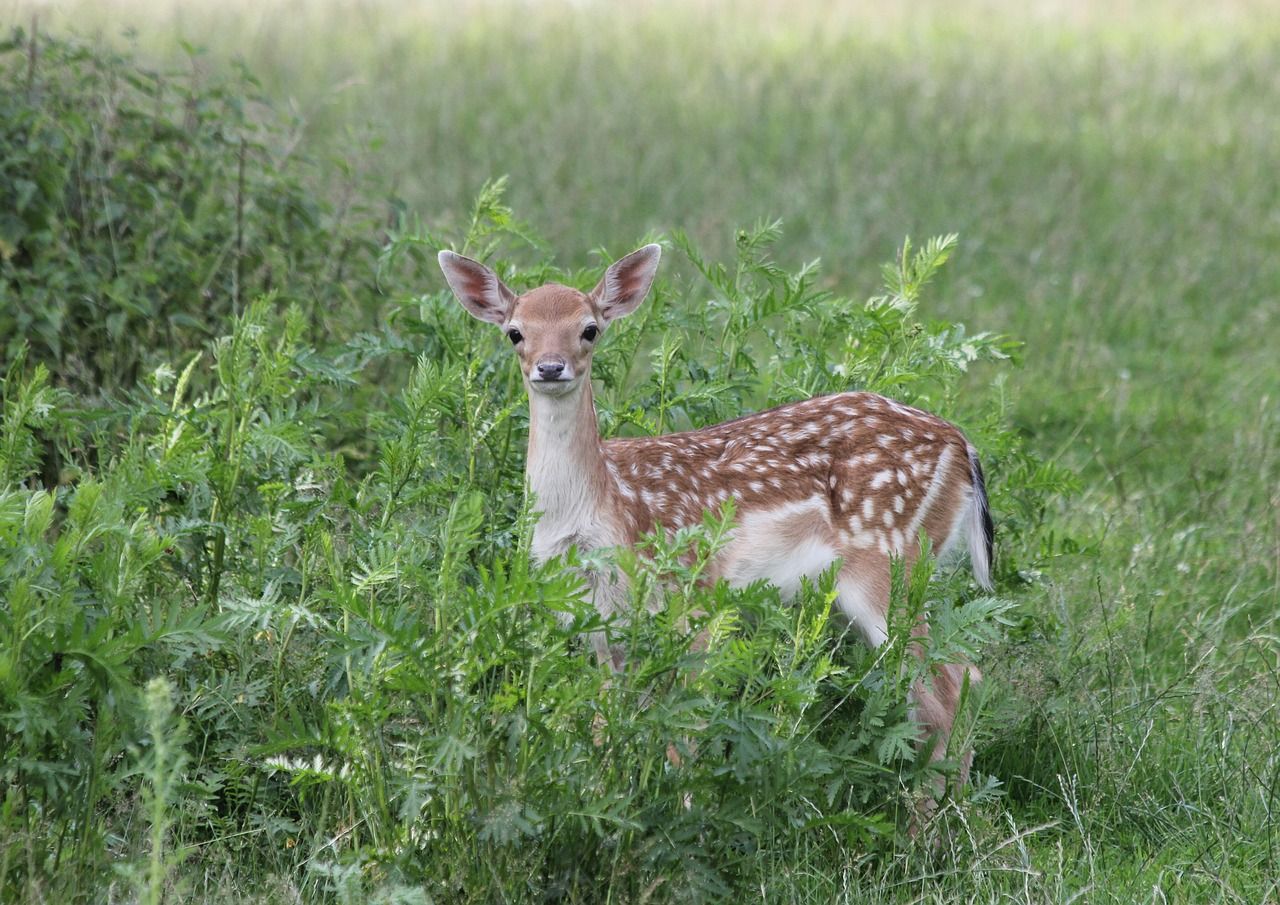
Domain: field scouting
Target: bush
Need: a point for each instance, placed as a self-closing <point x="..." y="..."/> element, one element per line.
<point x="140" y="210"/>
<point x="276" y="629"/>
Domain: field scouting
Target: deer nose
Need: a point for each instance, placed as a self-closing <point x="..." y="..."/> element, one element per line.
<point x="550" y="370"/>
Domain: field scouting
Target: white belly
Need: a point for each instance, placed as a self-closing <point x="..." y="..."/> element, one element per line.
<point x="770" y="545"/>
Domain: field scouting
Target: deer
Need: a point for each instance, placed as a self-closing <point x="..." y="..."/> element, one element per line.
<point x="852" y="478"/>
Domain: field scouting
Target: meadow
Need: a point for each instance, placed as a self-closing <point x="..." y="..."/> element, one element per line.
<point x="270" y="628"/>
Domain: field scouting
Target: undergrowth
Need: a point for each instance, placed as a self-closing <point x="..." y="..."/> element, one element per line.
<point x="270" y="621"/>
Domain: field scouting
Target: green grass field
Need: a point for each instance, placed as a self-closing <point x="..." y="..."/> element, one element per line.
<point x="1113" y="174"/>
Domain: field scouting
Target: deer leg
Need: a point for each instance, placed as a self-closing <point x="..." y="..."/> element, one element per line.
<point x="863" y="597"/>
<point x="862" y="594"/>
<point x="935" y="701"/>
<point x="607" y="594"/>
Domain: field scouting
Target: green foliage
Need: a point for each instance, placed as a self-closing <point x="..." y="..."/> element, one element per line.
<point x="378" y="690"/>
<point x="1114" y="183"/>
<point x="28" y="406"/>
<point x="162" y="766"/>
<point x="141" y="208"/>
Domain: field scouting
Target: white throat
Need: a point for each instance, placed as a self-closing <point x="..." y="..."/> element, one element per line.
<point x="567" y="472"/>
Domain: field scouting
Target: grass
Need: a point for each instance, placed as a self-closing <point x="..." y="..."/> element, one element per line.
<point x="1110" y="169"/>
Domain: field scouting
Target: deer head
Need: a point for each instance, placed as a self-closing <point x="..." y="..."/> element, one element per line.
<point x="554" y="328"/>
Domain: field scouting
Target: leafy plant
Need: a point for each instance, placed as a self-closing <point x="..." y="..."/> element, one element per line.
<point x="372" y="673"/>
<point x="275" y="605"/>
<point x="142" y="208"/>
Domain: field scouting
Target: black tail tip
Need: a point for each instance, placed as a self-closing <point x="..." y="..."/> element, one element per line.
<point x="980" y="488"/>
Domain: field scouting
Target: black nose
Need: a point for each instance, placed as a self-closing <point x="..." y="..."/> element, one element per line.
<point x="550" y="370"/>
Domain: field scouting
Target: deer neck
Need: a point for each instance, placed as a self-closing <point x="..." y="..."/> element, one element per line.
<point x="566" y="469"/>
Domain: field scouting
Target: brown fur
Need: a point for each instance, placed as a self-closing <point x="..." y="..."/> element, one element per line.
<point x="838" y="445"/>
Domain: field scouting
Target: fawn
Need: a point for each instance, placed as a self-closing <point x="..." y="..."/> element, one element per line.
<point x="853" y="477"/>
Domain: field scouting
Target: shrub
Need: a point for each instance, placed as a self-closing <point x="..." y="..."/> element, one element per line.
<point x="372" y="673"/>
<point x="141" y="209"/>
<point x="276" y="621"/>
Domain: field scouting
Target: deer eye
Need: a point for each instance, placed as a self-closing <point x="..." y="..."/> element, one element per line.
<point x="590" y="333"/>
<point x="515" y="336"/>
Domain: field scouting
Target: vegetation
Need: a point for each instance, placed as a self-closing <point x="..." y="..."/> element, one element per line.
<point x="270" y="629"/>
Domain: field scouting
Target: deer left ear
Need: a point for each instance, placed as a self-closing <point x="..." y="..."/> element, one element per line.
<point x="627" y="282"/>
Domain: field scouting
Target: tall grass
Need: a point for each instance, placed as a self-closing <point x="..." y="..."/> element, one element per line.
<point x="1111" y="174"/>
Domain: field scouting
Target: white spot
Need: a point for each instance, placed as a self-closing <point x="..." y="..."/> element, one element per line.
<point x="881" y="478"/>
<point x="868" y="508"/>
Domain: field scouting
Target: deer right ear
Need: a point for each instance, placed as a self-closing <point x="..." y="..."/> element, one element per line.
<point x="477" y="287"/>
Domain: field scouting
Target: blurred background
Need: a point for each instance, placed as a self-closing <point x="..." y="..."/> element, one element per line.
<point x="1110" y="166"/>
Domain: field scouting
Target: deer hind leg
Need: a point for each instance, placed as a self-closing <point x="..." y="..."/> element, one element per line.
<point x="863" y="591"/>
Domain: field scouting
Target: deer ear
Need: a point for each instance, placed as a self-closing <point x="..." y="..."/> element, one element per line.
<point x="477" y="287"/>
<point x="627" y="282"/>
